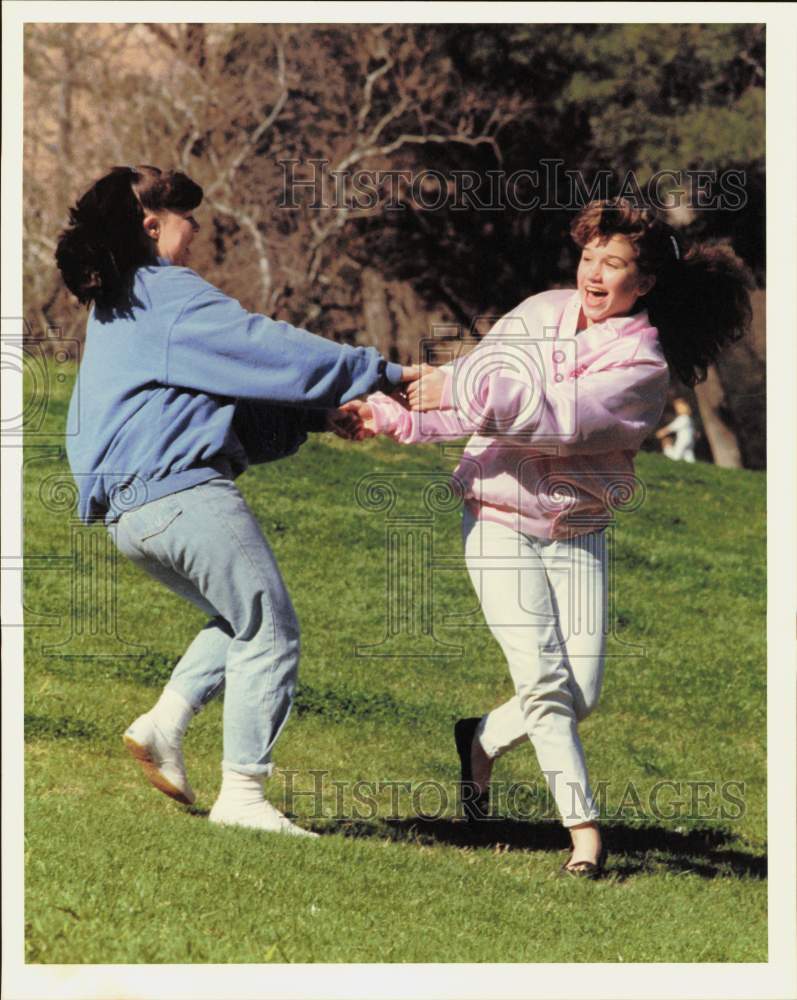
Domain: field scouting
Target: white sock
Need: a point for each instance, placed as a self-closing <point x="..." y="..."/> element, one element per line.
<point x="171" y="714"/>
<point x="240" y="793"/>
<point x="154" y="740"/>
<point x="241" y="802"/>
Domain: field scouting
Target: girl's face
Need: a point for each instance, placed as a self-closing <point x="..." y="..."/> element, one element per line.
<point x="173" y="233"/>
<point x="609" y="280"/>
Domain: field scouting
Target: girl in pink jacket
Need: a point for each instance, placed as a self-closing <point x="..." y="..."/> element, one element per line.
<point x="558" y="398"/>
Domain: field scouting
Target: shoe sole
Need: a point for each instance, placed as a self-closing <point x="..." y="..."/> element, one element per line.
<point x="303" y="835"/>
<point x="587" y="869"/>
<point x="142" y="756"/>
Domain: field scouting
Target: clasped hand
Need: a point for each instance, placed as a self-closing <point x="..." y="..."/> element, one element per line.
<point x="421" y="389"/>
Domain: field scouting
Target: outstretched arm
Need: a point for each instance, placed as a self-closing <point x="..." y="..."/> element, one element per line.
<point x="216" y="346"/>
<point x="612" y="409"/>
<point x="381" y="414"/>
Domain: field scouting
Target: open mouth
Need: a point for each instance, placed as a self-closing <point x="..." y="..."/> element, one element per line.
<point x="594" y="296"/>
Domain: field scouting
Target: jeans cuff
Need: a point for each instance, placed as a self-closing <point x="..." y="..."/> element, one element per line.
<point x="263" y="770"/>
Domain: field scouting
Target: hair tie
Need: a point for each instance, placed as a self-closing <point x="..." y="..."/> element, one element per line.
<point x="675" y="249"/>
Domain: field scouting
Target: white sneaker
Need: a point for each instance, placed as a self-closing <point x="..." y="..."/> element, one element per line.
<point x="263" y="816"/>
<point x="161" y="761"/>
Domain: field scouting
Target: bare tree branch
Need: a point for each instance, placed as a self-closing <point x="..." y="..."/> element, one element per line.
<point x="163" y="36"/>
<point x="251" y="141"/>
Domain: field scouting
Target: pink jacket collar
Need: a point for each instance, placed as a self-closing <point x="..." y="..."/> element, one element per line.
<point x="619" y="326"/>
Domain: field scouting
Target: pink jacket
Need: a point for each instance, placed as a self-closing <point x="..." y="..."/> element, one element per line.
<point x="556" y="417"/>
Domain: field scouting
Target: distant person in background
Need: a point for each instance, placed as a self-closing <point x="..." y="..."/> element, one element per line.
<point x="683" y="427"/>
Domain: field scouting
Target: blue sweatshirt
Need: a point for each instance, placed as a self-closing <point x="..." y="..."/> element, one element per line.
<point x="189" y="386"/>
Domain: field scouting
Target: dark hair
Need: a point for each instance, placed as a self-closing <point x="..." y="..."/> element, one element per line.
<point x="104" y="244"/>
<point x="700" y="302"/>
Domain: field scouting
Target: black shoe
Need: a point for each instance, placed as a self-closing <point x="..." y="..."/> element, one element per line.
<point x="475" y="804"/>
<point x="587" y="869"/>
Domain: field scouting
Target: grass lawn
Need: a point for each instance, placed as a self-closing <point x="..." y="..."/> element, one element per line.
<point x="117" y="873"/>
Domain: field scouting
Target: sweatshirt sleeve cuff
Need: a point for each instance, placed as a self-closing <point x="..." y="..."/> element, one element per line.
<point x="390" y="378"/>
<point x="383" y="409"/>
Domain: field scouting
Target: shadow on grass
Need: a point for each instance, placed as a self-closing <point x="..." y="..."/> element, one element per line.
<point x="633" y="850"/>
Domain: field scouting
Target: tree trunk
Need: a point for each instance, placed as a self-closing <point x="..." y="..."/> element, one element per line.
<point x="716" y="422"/>
<point x="378" y="321"/>
<point x="64" y="113"/>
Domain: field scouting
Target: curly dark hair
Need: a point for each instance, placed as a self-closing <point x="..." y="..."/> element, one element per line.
<point x="700" y="301"/>
<point x="100" y="250"/>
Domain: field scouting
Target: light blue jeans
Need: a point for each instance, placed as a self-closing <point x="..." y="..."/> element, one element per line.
<point x="204" y="544"/>
<point x="545" y="601"/>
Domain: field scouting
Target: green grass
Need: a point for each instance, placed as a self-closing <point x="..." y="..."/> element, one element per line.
<point x="116" y="873"/>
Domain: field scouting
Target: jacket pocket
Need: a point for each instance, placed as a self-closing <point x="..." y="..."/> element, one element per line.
<point x="155" y="517"/>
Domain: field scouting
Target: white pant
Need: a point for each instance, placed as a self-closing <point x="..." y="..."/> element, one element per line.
<point x="682" y="453"/>
<point x="545" y="602"/>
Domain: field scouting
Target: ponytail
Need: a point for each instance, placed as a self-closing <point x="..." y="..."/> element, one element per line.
<point x="103" y="246"/>
<point x="699" y="306"/>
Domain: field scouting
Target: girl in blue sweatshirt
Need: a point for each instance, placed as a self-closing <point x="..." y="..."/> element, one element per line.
<point x="180" y="389"/>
